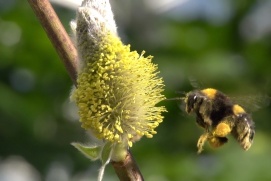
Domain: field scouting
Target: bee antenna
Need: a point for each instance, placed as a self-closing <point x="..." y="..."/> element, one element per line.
<point x="180" y="92"/>
<point x="175" y="99"/>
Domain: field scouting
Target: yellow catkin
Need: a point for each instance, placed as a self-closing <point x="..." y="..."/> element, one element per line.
<point x="117" y="92"/>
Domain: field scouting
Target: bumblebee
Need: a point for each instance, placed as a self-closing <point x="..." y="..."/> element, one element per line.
<point x="219" y="116"/>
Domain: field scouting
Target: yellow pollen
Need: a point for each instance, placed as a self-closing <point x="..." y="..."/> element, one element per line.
<point x="222" y="130"/>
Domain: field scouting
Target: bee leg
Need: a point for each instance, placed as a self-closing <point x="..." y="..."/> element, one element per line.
<point x="222" y="129"/>
<point x="200" y="121"/>
<point x="216" y="142"/>
<point x="220" y="132"/>
<point x="205" y="111"/>
<point x="201" y="141"/>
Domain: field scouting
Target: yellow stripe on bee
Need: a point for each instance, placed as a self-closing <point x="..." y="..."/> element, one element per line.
<point x="237" y="109"/>
<point x="209" y="92"/>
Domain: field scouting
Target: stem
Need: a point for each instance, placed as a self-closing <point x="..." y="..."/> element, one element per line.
<point x="57" y="34"/>
<point x="126" y="170"/>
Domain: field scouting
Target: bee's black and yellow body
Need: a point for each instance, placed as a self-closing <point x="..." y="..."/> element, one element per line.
<point x="219" y="116"/>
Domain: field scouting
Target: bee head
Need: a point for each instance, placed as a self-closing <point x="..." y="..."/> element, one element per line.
<point x="193" y="100"/>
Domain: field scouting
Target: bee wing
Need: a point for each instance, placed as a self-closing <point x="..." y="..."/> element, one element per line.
<point x="195" y="83"/>
<point x="252" y="103"/>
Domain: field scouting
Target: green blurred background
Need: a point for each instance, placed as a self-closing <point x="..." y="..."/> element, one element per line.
<point x="224" y="44"/>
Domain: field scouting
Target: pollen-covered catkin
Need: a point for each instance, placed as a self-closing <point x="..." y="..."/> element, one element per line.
<point x="117" y="89"/>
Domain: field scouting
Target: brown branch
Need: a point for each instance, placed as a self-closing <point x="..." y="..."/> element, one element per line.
<point x="126" y="170"/>
<point x="57" y="34"/>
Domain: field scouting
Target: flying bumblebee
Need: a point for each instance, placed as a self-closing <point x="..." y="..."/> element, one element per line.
<point x="219" y="116"/>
